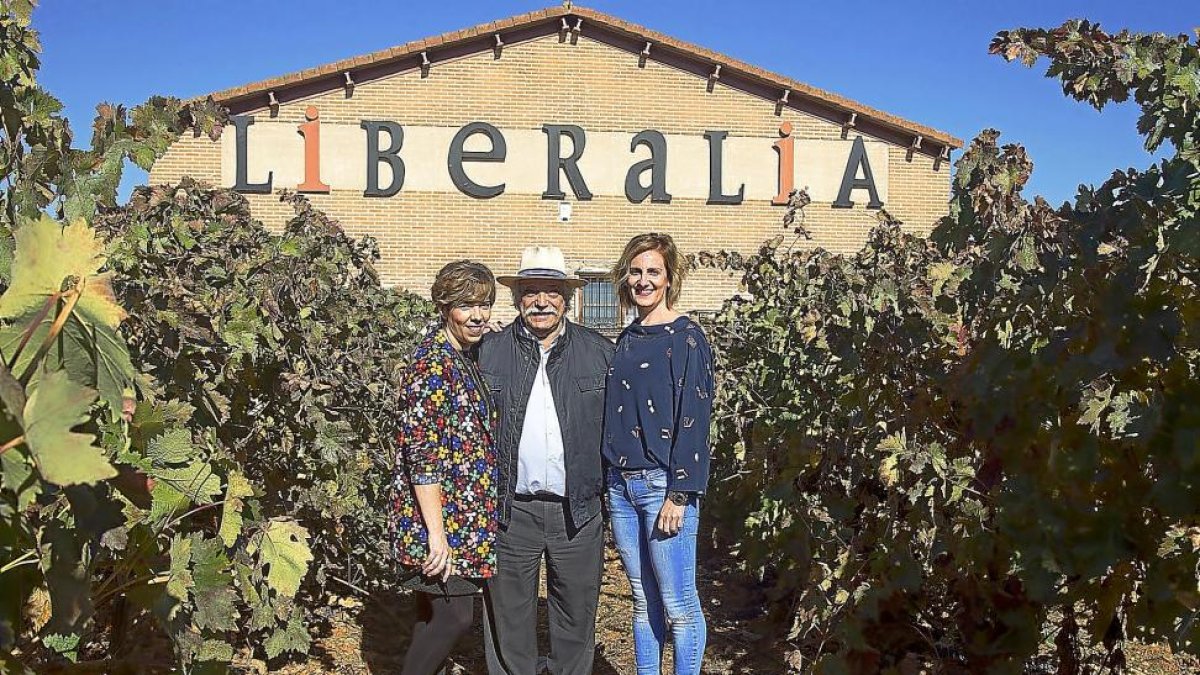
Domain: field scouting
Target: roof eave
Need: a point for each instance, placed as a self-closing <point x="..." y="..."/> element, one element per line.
<point x="479" y="38"/>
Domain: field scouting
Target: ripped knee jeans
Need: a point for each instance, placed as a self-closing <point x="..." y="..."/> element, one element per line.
<point x="661" y="570"/>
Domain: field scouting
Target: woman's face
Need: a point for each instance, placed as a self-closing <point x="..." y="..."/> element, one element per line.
<point x="465" y="323"/>
<point x="647" y="279"/>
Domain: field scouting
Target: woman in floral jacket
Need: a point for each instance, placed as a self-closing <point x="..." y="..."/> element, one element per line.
<point x="443" y="512"/>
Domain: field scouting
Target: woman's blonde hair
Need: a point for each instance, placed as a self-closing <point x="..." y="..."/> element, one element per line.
<point x="463" y="282"/>
<point x="651" y="241"/>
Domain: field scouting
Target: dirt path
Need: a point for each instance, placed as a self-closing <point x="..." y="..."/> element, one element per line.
<point x="373" y="638"/>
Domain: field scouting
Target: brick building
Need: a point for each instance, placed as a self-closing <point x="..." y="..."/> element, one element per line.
<point x="565" y="127"/>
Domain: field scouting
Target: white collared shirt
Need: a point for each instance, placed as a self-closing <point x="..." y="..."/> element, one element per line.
<point x="541" y="467"/>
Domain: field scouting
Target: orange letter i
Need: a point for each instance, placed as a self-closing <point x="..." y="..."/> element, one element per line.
<point x="787" y="163"/>
<point x="311" y="131"/>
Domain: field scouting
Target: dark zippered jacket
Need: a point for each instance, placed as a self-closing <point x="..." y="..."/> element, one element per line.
<point x="576" y="366"/>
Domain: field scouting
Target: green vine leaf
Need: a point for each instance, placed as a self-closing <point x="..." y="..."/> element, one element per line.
<point x="63" y="457"/>
<point x="291" y="638"/>
<point x="180" y="582"/>
<point x="214" y="594"/>
<point x="282" y="548"/>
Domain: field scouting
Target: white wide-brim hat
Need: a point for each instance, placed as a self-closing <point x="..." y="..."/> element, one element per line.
<point x="542" y="262"/>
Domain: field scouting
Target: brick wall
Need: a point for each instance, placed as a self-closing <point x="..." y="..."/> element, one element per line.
<point x="600" y="88"/>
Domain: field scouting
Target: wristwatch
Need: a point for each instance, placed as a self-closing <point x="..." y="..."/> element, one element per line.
<point x="678" y="498"/>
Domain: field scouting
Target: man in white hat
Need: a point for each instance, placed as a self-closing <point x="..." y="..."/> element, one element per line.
<point x="547" y="379"/>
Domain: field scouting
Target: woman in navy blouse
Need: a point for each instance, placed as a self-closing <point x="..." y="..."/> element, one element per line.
<point x="658" y="402"/>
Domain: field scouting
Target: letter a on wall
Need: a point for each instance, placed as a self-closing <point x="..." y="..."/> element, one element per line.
<point x="656" y="165"/>
<point x="850" y="180"/>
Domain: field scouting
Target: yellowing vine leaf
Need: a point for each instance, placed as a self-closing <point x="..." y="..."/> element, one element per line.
<point x="282" y="546"/>
<point x="63" y="457"/>
<point x="47" y="254"/>
<point x="231" y="511"/>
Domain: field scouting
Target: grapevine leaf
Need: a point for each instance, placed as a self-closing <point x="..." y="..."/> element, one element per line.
<point x="231" y="511"/>
<point x="291" y="638"/>
<point x="151" y="419"/>
<point x="48" y="254"/>
<point x="213" y="592"/>
<point x="93" y="355"/>
<point x="63" y="457"/>
<point x="12" y="394"/>
<point x="65" y="644"/>
<point x="196" y="481"/>
<point x="282" y="548"/>
<point x="98" y="357"/>
<point x="262" y="611"/>
<point x="18" y="477"/>
<point x="180" y="582"/>
<point x="165" y="501"/>
<point x="215" y="650"/>
<point x="15" y="472"/>
<point x="889" y="475"/>
<point x="171" y="447"/>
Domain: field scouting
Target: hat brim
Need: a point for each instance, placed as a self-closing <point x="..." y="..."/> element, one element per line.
<point x="511" y="280"/>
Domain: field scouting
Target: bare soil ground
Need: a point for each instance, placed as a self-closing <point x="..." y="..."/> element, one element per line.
<point x="374" y="638"/>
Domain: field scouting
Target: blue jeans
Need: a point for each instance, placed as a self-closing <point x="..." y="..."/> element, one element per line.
<point x="661" y="569"/>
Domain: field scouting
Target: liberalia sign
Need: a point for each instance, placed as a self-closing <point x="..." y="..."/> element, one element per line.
<point x="382" y="158"/>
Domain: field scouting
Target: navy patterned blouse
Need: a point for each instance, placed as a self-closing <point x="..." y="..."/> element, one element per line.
<point x="658" y="402"/>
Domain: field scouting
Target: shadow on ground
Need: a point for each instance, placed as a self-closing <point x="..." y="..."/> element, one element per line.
<point x="387" y="632"/>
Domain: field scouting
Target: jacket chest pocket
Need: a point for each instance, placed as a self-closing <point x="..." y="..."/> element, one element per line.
<point x="591" y="395"/>
<point x="495" y="386"/>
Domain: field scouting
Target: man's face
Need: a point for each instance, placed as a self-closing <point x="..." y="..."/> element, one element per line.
<point x="542" y="303"/>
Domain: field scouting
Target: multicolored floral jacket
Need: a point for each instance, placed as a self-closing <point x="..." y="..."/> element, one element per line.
<point x="446" y="428"/>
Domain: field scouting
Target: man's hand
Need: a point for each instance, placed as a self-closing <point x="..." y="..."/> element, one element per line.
<point x="437" y="563"/>
<point x="493" y="326"/>
<point x="670" y="518"/>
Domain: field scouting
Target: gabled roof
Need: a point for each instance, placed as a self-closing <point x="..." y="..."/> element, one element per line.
<point x="570" y="20"/>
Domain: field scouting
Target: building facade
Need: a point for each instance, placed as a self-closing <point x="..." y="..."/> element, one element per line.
<point x="572" y="128"/>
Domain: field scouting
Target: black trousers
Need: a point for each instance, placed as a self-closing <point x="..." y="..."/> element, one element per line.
<point x="542" y="530"/>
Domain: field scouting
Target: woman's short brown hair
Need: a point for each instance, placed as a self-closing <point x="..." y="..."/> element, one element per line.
<point x="463" y="282"/>
<point x="651" y="241"/>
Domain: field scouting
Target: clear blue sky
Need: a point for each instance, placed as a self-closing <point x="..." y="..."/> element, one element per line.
<point x="925" y="61"/>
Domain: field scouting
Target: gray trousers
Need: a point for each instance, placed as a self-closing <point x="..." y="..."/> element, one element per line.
<point x="574" y="559"/>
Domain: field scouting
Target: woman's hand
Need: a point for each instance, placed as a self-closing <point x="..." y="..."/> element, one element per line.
<point x="438" y="562"/>
<point x="429" y="497"/>
<point x="670" y="518"/>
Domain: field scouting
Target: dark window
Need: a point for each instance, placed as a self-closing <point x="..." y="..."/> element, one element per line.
<point x="598" y="306"/>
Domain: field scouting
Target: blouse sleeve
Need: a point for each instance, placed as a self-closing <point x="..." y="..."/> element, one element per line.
<point x="423" y="446"/>
<point x="692" y="361"/>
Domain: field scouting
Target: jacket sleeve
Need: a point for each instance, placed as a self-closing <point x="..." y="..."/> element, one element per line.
<point x="423" y="425"/>
<point x="691" y="361"/>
